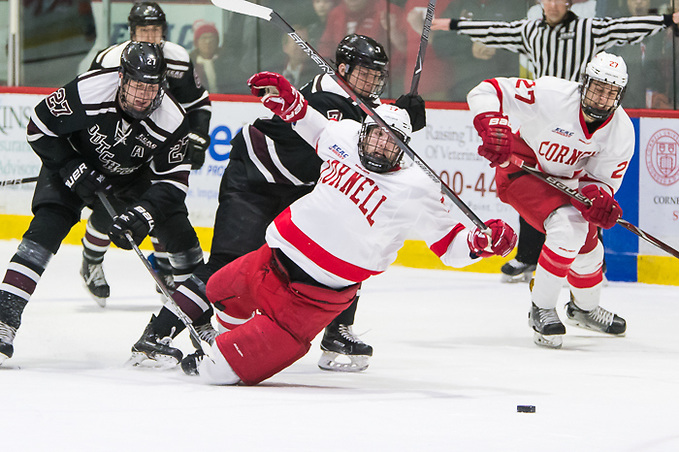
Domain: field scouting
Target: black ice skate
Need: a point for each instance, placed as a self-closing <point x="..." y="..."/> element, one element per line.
<point x="191" y="362"/>
<point x="547" y="328"/>
<point x="515" y="271"/>
<point x="599" y="319"/>
<point x="152" y="347"/>
<point x="7" y="334"/>
<point x="343" y="351"/>
<point x="95" y="281"/>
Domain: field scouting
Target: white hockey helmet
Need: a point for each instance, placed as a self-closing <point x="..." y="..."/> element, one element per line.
<point x="604" y="68"/>
<point x="378" y="151"/>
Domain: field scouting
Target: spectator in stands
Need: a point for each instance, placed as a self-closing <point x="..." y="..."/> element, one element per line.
<point x="204" y="55"/>
<point x="316" y="27"/>
<point x="299" y="68"/>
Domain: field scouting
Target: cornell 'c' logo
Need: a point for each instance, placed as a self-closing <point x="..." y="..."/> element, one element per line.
<point x="662" y="156"/>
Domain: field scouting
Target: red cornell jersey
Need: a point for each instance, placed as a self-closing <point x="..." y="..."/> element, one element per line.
<point x="353" y="223"/>
<point x="546" y="114"/>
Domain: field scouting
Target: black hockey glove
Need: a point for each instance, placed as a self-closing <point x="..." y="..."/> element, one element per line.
<point x="414" y="105"/>
<point x="83" y="180"/>
<point x="198" y="144"/>
<point x="137" y="221"/>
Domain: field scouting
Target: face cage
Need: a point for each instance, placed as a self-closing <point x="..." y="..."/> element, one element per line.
<point x="163" y="27"/>
<point x="367" y="77"/>
<point x="587" y="104"/>
<point x="130" y="94"/>
<point x="367" y="150"/>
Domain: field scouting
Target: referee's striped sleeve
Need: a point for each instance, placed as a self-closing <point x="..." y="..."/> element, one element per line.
<point x="609" y="32"/>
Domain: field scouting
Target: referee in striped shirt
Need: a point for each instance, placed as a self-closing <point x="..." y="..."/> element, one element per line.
<point x="561" y="43"/>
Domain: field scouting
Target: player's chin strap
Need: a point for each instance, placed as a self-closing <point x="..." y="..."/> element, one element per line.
<point x="199" y="343"/>
<point x="268" y="14"/>
<point x="563" y="188"/>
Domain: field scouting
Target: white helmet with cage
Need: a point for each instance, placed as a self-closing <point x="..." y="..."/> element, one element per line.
<point x="378" y="151"/>
<point x="604" y="69"/>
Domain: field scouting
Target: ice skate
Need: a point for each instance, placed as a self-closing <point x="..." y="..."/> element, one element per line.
<point x="95" y="281"/>
<point x="165" y="274"/>
<point x="515" y="271"/>
<point x="343" y="351"/>
<point x="599" y="319"/>
<point x="547" y="328"/>
<point x="154" y="348"/>
<point x="191" y="362"/>
<point x="7" y="334"/>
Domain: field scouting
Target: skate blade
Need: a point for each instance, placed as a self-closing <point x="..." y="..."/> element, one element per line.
<point x="520" y="278"/>
<point x="3" y="358"/>
<point x="99" y="300"/>
<point x="337" y="362"/>
<point x="161" y="362"/>
<point x="554" y="341"/>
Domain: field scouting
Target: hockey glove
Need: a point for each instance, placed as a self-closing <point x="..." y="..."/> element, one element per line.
<point x="503" y="240"/>
<point x="198" y="144"/>
<point x="604" y="211"/>
<point x="137" y="221"/>
<point x="414" y="105"/>
<point x="84" y="180"/>
<point x="494" y="130"/>
<point x="278" y="95"/>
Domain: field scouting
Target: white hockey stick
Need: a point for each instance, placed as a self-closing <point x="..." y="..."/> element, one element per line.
<point x="563" y="188"/>
<point x="25" y="180"/>
<point x="199" y="343"/>
<point x="251" y="9"/>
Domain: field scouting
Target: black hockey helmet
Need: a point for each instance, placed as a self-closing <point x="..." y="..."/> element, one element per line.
<point x="142" y="63"/>
<point x="359" y="50"/>
<point x="146" y="13"/>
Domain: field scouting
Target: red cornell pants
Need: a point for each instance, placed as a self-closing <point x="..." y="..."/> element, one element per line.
<point x="290" y="314"/>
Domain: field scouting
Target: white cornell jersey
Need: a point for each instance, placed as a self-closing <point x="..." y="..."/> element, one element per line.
<point x="353" y="223"/>
<point x="546" y="114"/>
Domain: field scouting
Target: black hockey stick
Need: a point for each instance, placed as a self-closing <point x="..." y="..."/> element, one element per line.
<point x="251" y="9"/>
<point x="25" y="180"/>
<point x="195" y="337"/>
<point x="556" y="183"/>
<point x="424" y="40"/>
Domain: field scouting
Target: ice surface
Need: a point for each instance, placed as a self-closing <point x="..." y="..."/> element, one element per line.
<point x="453" y="358"/>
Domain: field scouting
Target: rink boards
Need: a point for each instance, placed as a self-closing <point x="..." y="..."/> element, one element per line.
<point x="649" y="195"/>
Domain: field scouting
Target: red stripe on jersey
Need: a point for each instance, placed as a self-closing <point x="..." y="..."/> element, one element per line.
<point x="439" y="248"/>
<point x="496" y="85"/>
<point x="554" y="263"/>
<point x="321" y="257"/>
<point x="585" y="281"/>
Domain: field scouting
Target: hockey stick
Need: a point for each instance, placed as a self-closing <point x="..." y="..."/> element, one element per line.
<point x="251" y="9"/>
<point x="25" y="180"/>
<point x="556" y="183"/>
<point x="195" y="337"/>
<point x="424" y="40"/>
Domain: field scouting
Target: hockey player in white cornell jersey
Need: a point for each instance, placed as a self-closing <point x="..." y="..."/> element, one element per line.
<point x="350" y="227"/>
<point x="576" y="132"/>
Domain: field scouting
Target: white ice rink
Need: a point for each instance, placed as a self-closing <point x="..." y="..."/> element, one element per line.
<point x="453" y="359"/>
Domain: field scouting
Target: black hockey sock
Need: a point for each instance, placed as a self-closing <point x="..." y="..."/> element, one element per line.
<point x="530" y="243"/>
<point x="167" y="324"/>
<point x="346" y="317"/>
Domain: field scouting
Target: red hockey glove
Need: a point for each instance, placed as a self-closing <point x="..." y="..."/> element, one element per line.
<point x="604" y="211"/>
<point x="137" y="221"/>
<point x="278" y="95"/>
<point x="503" y="240"/>
<point x="494" y="130"/>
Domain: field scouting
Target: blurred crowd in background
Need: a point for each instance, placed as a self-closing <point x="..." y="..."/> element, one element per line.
<point x="59" y="39"/>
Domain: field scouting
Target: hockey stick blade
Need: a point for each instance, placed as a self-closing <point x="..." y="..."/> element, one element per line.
<point x="559" y="185"/>
<point x="25" y="180"/>
<point x="424" y="40"/>
<point x="243" y="7"/>
<point x="196" y="340"/>
<point x="249" y="9"/>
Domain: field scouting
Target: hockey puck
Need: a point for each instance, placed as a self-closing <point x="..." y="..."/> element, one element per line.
<point x="525" y="408"/>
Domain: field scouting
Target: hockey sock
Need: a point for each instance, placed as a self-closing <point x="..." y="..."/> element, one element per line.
<point x="185" y="262"/>
<point x="167" y="323"/>
<point x="95" y="244"/>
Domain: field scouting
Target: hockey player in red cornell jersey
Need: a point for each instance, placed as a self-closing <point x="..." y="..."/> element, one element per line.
<point x="319" y="249"/>
<point x="576" y="132"/>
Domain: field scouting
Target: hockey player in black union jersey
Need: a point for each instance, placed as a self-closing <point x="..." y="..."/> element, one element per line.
<point x="112" y="131"/>
<point x="148" y="23"/>
<point x="270" y="167"/>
